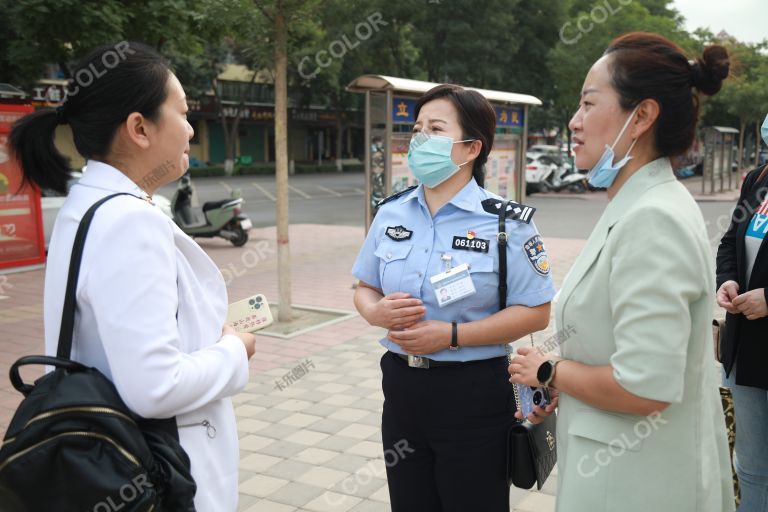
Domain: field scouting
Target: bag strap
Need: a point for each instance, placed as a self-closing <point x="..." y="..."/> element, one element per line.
<point x="70" y="300"/>
<point x="501" y="238"/>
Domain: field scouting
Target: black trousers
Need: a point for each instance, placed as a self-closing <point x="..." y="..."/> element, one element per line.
<point x="444" y="432"/>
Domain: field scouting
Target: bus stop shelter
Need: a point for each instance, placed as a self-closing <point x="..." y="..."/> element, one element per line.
<point x="719" y="146"/>
<point x="389" y="120"/>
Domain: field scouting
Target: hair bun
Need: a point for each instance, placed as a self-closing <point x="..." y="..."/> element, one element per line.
<point x="708" y="72"/>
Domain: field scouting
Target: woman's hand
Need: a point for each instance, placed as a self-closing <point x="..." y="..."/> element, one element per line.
<point x="751" y="304"/>
<point x="728" y="291"/>
<point x="423" y="338"/>
<point x="395" y="311"/>
<point x="538" y="414"/>
<point x="248" y="339"/>
<point x="524" y="367"/>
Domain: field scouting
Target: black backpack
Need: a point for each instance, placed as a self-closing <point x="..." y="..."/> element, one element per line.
<point x="73" y="444"/>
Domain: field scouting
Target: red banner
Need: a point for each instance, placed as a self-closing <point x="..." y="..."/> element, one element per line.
<point x="22" y="240"/>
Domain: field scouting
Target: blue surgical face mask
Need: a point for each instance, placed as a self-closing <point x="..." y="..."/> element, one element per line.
<point x="604" y="173"/>
<point x="429" y="158"/>
<point x="764" y="130"/>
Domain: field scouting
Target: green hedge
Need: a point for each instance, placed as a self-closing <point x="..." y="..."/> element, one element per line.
<point x="269" y="168"/>
<point x="354" y="168"/>
<point x="200" y="172"/>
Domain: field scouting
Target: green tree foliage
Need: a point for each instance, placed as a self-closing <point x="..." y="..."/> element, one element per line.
<point x="587" y="32"/>
<point x="743" y="101"/>
<point x="527" y="46"/>
<point x="37" y="33"/>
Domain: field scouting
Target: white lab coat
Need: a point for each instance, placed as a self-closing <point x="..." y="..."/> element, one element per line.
<point x="139" y="271"/>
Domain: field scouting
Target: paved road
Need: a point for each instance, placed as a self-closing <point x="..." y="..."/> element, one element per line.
<point x="338" y="199"/>
<point x="315" y="199"/>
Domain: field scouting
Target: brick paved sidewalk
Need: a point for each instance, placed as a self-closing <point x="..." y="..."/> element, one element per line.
<point x="311" y="446"/>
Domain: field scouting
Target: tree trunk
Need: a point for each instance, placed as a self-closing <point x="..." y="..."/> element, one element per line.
<point x="742" y="129"/>
<point x="229" y="147"/>
<point x="231" y="144"/>
<point x="229" y="166"/>
<point x="229" y="163"/>
<point x="339" y="141"/>
<point x="281" y="164"/>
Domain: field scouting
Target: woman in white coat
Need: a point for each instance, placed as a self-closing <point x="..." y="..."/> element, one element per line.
<point x="151" y="305"/>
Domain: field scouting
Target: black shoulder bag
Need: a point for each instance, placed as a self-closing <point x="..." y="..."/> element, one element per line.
<point x="531" y="449"/>
<point x="73" y="444"/>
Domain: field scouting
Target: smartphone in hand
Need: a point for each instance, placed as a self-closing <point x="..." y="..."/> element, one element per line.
<point x="250" y="315"/>
<point x="528" y="397"/>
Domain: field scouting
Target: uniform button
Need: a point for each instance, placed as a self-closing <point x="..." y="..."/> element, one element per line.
<point x="426" y="251"/>
<point x="421" y="275"/>
<point x="389" y="255"/>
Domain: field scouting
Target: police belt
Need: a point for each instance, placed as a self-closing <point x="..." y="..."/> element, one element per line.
<point x="426" y="363"/>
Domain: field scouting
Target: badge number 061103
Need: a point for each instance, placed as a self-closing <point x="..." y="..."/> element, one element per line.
<point x="470" y="244"/>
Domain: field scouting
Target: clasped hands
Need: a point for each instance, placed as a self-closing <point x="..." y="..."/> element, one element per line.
<point x="751" y="304"/>
<point x="402" y="315"/>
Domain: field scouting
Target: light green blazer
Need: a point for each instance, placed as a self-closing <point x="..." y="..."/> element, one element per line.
<point x="640" y="297"/>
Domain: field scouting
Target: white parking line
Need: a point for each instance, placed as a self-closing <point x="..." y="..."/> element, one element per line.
<point x="332" y="192"/>
<point x="226" y="187"/>
<point x="264" y="191"/>
<point x="300" y="192"/>
<point x="359" y="191"/>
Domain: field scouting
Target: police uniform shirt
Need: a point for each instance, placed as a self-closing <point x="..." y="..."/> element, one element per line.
<point x="405" y="244"/>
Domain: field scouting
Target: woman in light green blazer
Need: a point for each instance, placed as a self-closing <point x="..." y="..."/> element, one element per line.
<point x="640" y="425"/>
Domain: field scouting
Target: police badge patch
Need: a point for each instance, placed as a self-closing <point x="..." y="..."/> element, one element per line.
<point x="537" y="255"/>
<point x="399" y="233"/>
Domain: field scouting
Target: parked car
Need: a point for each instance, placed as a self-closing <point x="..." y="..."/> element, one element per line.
<point x="52" y="202"/>
<point x="539" y="166"/>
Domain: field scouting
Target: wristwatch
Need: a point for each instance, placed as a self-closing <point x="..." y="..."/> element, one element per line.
<point x="546" y="372"/>
<point x="454" y="337"/>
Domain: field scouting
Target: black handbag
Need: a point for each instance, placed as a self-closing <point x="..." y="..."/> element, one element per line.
<point x="531" y="449"/>
<point x="73" y="444"/>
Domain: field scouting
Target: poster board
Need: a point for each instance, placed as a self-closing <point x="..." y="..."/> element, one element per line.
<point x="22" y="241"/>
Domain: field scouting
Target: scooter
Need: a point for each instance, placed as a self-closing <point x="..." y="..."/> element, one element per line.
<point x="222" y="218"/>
<point x="567" y="179"/>
<point x="555" y="178"/>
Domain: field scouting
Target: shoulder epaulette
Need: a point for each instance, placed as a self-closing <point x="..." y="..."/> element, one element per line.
<point x="515" y="211"/>
<point x="395" y="196"/>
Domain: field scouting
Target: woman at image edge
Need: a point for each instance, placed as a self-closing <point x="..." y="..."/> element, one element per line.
<point x="151" y="304"/>
<point x="640" y="425"/>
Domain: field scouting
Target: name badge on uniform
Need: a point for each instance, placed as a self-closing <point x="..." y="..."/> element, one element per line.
<point x="470" y="243"/>
<point x="453" y="285"/>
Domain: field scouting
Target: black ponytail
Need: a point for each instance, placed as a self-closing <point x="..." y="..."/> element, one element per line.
<point x="109" y="84"/>
<point x="31" y="142"/>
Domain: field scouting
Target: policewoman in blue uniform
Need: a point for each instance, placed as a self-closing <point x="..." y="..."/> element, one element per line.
<point x="428" y="273"/>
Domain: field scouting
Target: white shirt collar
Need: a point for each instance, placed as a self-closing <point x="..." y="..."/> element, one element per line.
<point x="104" y="176"/>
